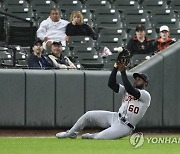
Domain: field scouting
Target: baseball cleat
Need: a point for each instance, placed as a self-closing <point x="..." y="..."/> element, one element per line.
<point x="87" y="136"/>
<point x="66" y="135"/>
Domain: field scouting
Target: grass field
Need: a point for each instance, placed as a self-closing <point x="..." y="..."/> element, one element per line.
<point x="51" y="145"/>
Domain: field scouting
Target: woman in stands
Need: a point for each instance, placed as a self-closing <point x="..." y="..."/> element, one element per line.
<point x="77" y="27"/>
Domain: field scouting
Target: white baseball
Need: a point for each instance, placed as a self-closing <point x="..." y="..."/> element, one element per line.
<point x="119" y="49"/>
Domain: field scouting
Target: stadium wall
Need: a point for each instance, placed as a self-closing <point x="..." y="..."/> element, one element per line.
<point x="57" y="98"/>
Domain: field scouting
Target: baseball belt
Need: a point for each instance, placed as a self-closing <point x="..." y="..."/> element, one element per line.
<point x="126" y="122"/>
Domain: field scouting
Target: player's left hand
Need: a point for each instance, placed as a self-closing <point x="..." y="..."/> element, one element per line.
<point x="121" y="65"/>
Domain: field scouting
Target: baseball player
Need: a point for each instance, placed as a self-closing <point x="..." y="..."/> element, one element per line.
<point x="119" y="124"/>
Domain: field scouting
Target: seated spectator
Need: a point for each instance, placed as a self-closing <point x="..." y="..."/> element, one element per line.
<point x="140" y="44"/>
<point x="36" y="59"/>
<point x="164" y="39"/>
<point x="57" y="59"/>
<point x="77" y="27"/>
<point x="52" y="29"/>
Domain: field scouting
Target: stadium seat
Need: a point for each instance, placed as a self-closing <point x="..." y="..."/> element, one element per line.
<point x="5" y="58"/>
<point x="3" y="28"/>
<point x="107" y="22"/>
<point x="90" y="61"/>
<point x="66" y="51"/>
<point x="119" y="33"/>
<point x="169" y="21"/>
<point x="137" y="59"/>
<point x="162" y="13"/>
<point x="20" y="33"/>
<point x="46" y="4"/>
<point x="122" y="5"/>
<point x="175" y="33"/>
<point x="75" y="41"/>
<point x="109" y="61"/>
<point x="101" y="13"/>
<point x="69" y="4"/>
<point x="132" y="22"/>
<point x="110" y="41"/>
<point x="77" y="51"/>
<point x="154" y="5"/>
<point x="133" y="13"/>
<point x="9" y="4"/>
<point x="97" y="4"/>
<point x="175" y="5"/>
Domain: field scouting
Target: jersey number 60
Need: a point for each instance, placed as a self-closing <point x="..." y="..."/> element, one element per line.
<point x="134" y="109"/>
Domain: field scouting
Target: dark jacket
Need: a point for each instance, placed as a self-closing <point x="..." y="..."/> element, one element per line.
<point x="80" y="30"/>
<point x="36" y="62"/>
<point x="137" y="47"/>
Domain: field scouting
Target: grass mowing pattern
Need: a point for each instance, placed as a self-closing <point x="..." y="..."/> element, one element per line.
<point x="46" y="145"/>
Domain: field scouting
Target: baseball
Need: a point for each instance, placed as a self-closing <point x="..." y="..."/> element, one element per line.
<point x="119" y="49"/>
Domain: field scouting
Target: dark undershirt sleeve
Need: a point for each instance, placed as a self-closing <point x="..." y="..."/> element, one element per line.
<point x="128" y="86"/>
<point x="112" y="81"/>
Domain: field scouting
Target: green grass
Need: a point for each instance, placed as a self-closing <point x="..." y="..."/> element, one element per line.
<point x="35" y="145"/>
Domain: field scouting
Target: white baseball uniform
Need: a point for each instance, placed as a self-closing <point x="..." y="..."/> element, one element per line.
<point x="132" y="110"/>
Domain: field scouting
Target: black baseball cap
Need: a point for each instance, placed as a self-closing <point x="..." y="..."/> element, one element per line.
<point x="140" y="28"/>
<point x="38" y="41"/>
<point x="57" y="43"/>
<point x="142" y="76"/>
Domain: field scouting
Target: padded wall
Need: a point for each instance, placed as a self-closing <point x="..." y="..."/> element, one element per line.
<point x="40" y="98"/>
<point x="12" y="97"/>
<point x="69" y="97"/>
<point x="171" y="94"/>
<point x="98" y="96"/>
<point x="154" y="69"/>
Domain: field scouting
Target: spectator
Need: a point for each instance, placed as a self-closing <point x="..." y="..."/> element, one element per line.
<point x="77" y="27"/>
<point x="36" y="59"/>
<point x="52" y="29"/>
<point x="58" y="60"/>
<point x="140" y="44"/>
<point x="164" y="40"/>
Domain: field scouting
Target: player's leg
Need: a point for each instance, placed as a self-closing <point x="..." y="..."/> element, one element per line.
<point x="95" y="118"/>
<point x="117" y="130"/>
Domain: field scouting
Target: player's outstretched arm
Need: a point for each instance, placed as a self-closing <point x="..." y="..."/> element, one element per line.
<point x="128" y="86"/>
<point x="112" y="80"/>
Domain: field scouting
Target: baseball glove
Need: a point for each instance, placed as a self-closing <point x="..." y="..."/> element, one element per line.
<point x="124" y="55"/>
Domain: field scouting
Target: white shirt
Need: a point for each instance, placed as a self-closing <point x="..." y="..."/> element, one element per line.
<point x="55" y="31"/>
<point x="134" y="109"/>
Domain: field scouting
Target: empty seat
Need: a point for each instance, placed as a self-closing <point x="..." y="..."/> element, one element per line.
<point x="77" y="51"/>
<point x="132" y="22"/>
<point x="5" y="58"/>
<point x="138" y="59"/>
<point x="3" y="28"/>
<point x="175" y="33"/>
<point x="125" y="4"/>
<point x="169" y="21"/>
<point x="9" y="4"/>
<point x="163" y="13"/>
<point x="46" y="4"/>
<point x="101" y="13"/>
<point x="109" y="61"/>
<point x="107" y="22"/>
<point x="69" y="4"/>
<point x="21" y="33"/>
<point x="75" y="41"/>
<point x="110" y="41"/>
<point x="91" y="61"/>
<point x="97" y="4"/>
<point x="175" y="5"/>
<point x="120" y="33"/>
<point x="133" y="13"/>
<point x="154" y="5"/>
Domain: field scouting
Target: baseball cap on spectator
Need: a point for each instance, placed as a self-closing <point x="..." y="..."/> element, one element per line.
<point x="164" y="28"/>
<point x="38" y="42"/>
<point x="57" y="43"/>
<point x="140" y="28"/>
<point x="142" y="76"/>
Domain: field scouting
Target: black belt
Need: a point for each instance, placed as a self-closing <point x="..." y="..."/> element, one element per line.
<point x="126" y="122"/>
